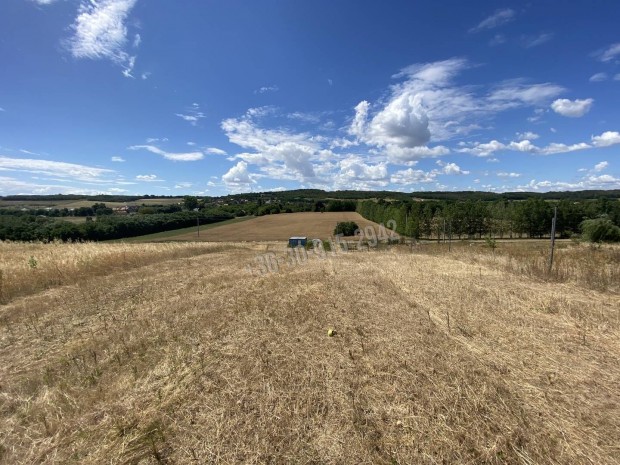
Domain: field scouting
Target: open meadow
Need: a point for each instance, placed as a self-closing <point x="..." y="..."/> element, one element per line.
<point x="175" y="353"/>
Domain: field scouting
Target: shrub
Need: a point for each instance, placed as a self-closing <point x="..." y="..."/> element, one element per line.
<point x="600" y="230"/>
<point x="346" y="228"/>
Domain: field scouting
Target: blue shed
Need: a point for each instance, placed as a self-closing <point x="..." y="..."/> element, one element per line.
<point x="297" y="241"/>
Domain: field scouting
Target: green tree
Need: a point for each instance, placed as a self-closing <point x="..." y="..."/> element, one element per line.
<point x="346" y="228"/>
<point x="600" y="230"/>
<point x="190" y="202"/>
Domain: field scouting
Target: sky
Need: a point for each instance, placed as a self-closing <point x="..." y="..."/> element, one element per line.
<point x="206" y="97"/>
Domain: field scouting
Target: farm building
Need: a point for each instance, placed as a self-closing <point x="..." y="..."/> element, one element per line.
<point x="297" y="241"/>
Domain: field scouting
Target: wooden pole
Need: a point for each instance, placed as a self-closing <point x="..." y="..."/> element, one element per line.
<point x="555" y="217"/>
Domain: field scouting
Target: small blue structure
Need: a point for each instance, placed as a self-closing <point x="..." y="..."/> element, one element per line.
<point x="297" y="241"/>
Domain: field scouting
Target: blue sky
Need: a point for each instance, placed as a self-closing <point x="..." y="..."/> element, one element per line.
<point x="215" y="97"/>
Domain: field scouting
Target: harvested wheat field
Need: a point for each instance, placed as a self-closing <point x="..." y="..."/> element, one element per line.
<point x="277" y="227"/>
<point x="116" y="355"/>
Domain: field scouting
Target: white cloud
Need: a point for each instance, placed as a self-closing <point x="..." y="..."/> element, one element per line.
<point x="191" y="156"/>
<point x="516" y="93"/>
<point x="16" y="186"/>
<point x="147" y="177"/>
<point x="405" y="155"/>
<point x="193" y="115"/>
<point x="572" y="108"/>
<point x="610" y="53"/>
<point x="598" y="77"/>
<point x="601" y="166"/>
<point x="496" y="19"/>
<point x="238" y="176"/>
<point x="44" y="2"/>
<point x="265" y="89"/>
<point x="118" y="159"/>
<point x="502" y="174"/>
<point x="355" y="173"/>
<point x="403" y="123"/>
<point x="453" y="168"/>
<point x="528" y="135"/>
<point x="411" y="176"/>
<point x="606" y="139"/>
<point x="137" y="40"/>
<point x="99" y="32"/>
<point x="427" y="107"/>
<point x="215" y="151"/>
<point x="145" y="75"/>
<point x="53" y="168"/>
<point x="485" y="149"/>
<point x="183" y="185"/>
<point x="535" y="41"/>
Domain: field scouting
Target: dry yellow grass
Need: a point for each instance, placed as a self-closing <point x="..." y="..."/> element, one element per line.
<point x="191" y="360"/>
<point x="278" y="227"/>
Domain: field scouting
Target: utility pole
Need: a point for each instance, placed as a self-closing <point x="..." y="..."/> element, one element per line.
<point x="555" y="218"/>
<point x="197" y="221"/>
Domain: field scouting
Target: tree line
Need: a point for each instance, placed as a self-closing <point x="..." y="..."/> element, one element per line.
<point x="106" y="227"/>
<point x="530" y="218"/>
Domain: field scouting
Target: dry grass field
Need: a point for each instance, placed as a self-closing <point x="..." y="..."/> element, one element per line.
<point x="278" y="227"/>
<point x="172" y="353"/>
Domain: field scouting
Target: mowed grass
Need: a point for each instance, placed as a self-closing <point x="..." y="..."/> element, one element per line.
<point x="186" y="358"/>
<point x="277" y="227"/>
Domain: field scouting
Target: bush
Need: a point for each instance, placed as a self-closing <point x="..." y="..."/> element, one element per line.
<point x="346" y="228"/>
<point x="600" y="230"/>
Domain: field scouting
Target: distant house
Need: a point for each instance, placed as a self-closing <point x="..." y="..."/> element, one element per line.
<point x="297" y="241"/>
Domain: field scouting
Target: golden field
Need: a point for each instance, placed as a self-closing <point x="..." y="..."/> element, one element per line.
<point x="276" y="227"/>
<point x="174" y="353"/>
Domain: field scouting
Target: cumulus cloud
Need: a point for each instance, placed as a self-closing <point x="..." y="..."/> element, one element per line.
<point x="572" y="108"/>
<point x="403" y="123"/>
<point x="485" y="149"/>
<point x="427" y="107"/>
<point x="528" y="135"/>
<point x="606" y="139"/>
<point x="190" y="156"/>
<point x="238" y="176"/>
<point x="100" y="32"/>
<point x="495" y="20"/>
<point x="453" y="168"/>
<point x="411" y="176"/>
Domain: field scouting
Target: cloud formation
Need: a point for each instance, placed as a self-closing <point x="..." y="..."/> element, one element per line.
<point x="189" y="156"/>
<point x="572" y="108"/>
<point x="495" y="20"/>
<point x="100" y="32"/>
